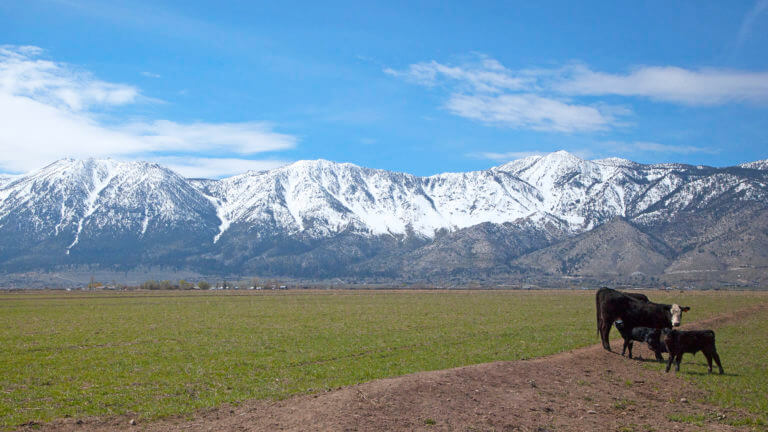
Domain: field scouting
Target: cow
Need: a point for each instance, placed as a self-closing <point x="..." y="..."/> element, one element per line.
<point x="634" y="310"/>
<point x="643" y="334"/>
<point x="691" y="341"/>
<point x="605" y="295"/>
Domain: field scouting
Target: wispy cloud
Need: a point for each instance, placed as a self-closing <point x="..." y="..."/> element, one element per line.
<point x="553" y="99"/>
<point x="23" y="74"/>
<point x="150" y="74"/>
<point x="486" y="75"/>
<point x="50" y="110"/>
<point x="240" y="138"/>
<point x="669" y="84"/>
<point x="529" y="111"/>
<point x="648" y="146"/>
<point x="488" y="92"/>
<point x="760" y="8"/>
<point x="200" y="167"/>
<point x="504" y="156"/>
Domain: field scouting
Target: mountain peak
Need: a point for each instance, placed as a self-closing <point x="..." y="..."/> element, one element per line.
<point x="758" y="164"/>
<point x="560" y="157"/>
<point x="563" y="154"/>
<point x="317" y="163"/>
<point x="617" y="162"/>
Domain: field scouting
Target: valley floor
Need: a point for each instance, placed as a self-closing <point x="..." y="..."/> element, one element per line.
<point x="578" y="390"/>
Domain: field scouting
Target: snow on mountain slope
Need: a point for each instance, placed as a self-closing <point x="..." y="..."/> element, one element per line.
<point x="463" y="199"/>
<point x="760" y="164"/>
<point x="584" y="193"/>
<point x="72" y="200"/>
<point x="5" y="179"/>
<point x="320" y="197"/>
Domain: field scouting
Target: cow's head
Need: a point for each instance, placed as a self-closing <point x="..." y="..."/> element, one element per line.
<point x="676" y="312"/>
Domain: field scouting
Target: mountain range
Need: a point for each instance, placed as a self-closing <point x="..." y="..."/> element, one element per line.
<point x="550" y="219"/>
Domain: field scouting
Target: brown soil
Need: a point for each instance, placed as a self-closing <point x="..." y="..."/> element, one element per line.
<point x="587" y="389"/>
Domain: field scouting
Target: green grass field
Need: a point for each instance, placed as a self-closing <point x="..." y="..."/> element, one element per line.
<point x="154" y="354"/>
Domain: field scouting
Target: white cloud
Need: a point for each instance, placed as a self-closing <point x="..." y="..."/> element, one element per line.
<point x="666" y="148"/>
<point x="22" y="74"/>
<point x="150" y="74"/>
<point x="760" y="7"/>
<point x="488" y="92"/>
<point x="529" y="111"/>
<point x="551" y="99"/>
<point x="242" y="138"/>
<point x="670" y="84"/>
<point x="505" y="156"/>
<point x="487" y="75"/>
<point x="48" y="110"/>
<point x="648" y="146"/>
<point x="216" y="167"/>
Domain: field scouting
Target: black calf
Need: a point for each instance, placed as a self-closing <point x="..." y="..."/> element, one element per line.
<point x="680" y="342"/>
<point x="642" y="334"/>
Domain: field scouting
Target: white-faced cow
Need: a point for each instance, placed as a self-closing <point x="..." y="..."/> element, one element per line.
<point x="635" y="310"/>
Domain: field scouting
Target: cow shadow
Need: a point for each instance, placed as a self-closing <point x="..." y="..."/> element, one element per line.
<point x="648" y="360"/>
<point x="699" y="368"/>
<point x="705" y="373"/>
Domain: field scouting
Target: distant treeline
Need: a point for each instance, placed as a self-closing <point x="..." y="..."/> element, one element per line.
<point x="182" y="284"/>
<point x="169" y="285"/>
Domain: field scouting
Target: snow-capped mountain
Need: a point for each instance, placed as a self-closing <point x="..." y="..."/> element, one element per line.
<point x="322" y="198"/>
<point x="74" y="197"/>
<point x="82" y="207"/>
<point x="301" y="216"/>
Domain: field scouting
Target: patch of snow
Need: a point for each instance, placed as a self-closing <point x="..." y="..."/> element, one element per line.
<point x="321" y="198"/>
<point x="99" y="184"/>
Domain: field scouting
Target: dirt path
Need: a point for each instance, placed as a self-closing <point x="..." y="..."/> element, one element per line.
<point x="581" y="390"/>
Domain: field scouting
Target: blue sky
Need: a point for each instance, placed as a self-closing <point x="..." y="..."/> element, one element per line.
<point x="420" y="87"/>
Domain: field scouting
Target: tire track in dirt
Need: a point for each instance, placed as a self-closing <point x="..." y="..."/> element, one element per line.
<point x="583" y="389"/>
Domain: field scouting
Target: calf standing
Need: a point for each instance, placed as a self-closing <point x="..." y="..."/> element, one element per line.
<point x="680" y="342"/>
<point x="642" y="334"/>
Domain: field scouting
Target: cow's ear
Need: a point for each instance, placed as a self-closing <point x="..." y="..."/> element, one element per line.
<point x="685" y="308"/>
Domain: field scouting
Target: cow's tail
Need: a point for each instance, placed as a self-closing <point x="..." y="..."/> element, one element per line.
<point x="597" y="311"/>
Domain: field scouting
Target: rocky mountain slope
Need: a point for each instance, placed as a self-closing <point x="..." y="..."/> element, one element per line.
<point x="544" y="217"/>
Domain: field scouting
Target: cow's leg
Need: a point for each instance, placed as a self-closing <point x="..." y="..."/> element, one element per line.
<point x="677" y="362"/>
<point x="630" y="348"/>
<point x="708" y="356"/>
<point x="658" y="355"/>
<point x="669" y="362"/>
<point x="605" y="329"/>
<point x="717" y="360"/>
<point x="599" y="317"/>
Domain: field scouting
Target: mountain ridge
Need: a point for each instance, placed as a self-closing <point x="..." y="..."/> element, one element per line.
<point x="325" y="219"/>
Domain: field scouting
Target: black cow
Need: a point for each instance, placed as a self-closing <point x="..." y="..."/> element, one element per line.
<point x="634" y="310"/>
<point x="642" y="334"/>
<point x="604" y="296"/>
<point x="692" y="341"/>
